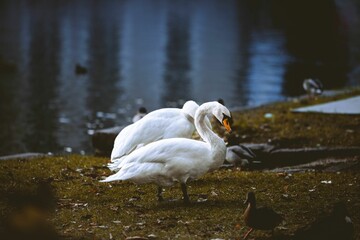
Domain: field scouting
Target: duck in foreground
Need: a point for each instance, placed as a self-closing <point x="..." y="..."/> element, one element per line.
<point x="239" y="155"/>
<point x="167" y="161"/>
<point x="261" y="218"/>
<point x="156" y="125"/>
<point x="336" y="226"/>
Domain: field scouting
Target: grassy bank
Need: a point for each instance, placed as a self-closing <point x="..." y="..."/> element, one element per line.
<point x="288" y="129"/>
<point x="79" y="207"/>
<point x="87" y="209"/>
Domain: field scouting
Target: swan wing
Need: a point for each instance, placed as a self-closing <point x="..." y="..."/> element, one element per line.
<point x="163" y="123"/>
<point x="124" y="142"/>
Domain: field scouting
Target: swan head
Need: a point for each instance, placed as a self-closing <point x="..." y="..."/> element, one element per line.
<point x="222" y="114"/>
<point x="190" y="108"/>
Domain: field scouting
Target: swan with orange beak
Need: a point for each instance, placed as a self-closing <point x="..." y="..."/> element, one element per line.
<point x="167" y="161"/>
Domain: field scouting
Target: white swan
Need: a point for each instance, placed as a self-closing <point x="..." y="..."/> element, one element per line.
<point x="178" y="159"/>
<point x="156" y="125"/>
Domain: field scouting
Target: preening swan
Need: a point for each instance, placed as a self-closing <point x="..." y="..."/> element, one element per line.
<point x="156" y="125"/>
<point x="178" y="159"/>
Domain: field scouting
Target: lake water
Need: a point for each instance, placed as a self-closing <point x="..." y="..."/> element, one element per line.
<point x="159" y="54"/>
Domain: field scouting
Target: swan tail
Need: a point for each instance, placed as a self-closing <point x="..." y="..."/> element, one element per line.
<point x="114" y="166"/>
<point x="143" y="173"/>
<point x="120" y="152"/>
<point x="111" y="178"/>
<point x="123" y="174"/>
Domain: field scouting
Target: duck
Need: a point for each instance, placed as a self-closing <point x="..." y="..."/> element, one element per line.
<point x="79" y="69"/>
<point x="172" y="160"/>
<point x="239" y="155"/>
<point x="261" y="218"/>
<point x="337" y="225"/>
<point x="221" y="101"/>
<point x="313" y="87"/>
<point x="142" y="111"/>
<point x="159" y="124"/>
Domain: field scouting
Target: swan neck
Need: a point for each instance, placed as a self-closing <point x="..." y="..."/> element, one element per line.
<point x="189" y="117"/>
<point x="216" y="144"/>
<point x="204" y="131"/>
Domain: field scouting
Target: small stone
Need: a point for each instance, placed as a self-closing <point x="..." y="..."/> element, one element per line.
<point x="202" y="200"/>
<point x="136" y="238"/>
<point x="214" y="194"/>
<point x="103" y="226"/>
<point x="326" y="182"/>
<point x="268" y="115"/>
<point x="285" y="196"/>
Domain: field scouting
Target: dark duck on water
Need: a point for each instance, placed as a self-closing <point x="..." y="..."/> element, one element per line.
<point x="261" y="218"/>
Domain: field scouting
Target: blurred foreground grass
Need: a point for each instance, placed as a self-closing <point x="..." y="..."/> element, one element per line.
<point x="88" y="209"/>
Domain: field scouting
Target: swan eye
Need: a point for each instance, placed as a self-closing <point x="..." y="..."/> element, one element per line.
<point x="226" y="124"/>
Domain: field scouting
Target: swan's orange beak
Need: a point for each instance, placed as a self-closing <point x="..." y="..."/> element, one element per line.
<point x="226" y="124"/>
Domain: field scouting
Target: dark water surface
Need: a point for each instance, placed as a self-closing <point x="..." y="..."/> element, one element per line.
<point x="157" y="54"/>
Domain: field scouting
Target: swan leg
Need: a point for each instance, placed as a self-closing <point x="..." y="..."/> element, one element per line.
<point x="185" y="194"/>
<point x="248" y="233"/>
<point x="159" y="194"/>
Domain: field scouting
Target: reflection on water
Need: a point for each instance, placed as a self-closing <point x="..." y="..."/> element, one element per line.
<point x="177" y="64"/>
<point x="158" y="54"/>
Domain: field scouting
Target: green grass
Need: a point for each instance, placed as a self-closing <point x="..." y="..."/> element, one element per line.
<point x="288" y="129"/>
<point x="89" y="209"/>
